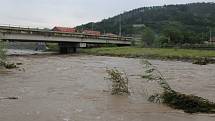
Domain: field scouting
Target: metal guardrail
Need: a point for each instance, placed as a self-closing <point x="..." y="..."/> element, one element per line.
<point x="37" y="31"/>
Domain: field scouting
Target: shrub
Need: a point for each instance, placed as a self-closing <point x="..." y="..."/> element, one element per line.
<point x="119" y="82"/>
<point x="3" y="62"/>
<point x="2" y="53"/>
<point x="201" y="61"/>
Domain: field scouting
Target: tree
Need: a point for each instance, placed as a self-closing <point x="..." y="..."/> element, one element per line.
<point x="196" y="17"/>
<point x="148" y="37"/>
<point x="173" y="31"/>
<point x="161" y="41"/>
<point x="2" y="52"/>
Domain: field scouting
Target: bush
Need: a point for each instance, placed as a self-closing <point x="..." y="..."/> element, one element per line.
<point x="119" y="82"/>
<point x="201" y="61"/>
<point x="3" y="62"/>
<point x="148" y="37"/>
<point x="2" y="53"/>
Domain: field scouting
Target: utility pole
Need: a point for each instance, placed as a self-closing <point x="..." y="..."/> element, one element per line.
<point x="92" y="26"/>
<point x="210" y="36"/>
<point x="120" y="25"/>
<point x="82" y="28"/>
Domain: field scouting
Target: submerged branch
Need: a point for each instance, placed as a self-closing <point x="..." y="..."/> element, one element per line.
<point x="172" y="98"/>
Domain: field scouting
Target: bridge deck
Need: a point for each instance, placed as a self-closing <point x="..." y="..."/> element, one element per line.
<point x="8" y="30"/>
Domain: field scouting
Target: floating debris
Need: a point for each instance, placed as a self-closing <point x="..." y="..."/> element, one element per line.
<point x="172" y="98"/>
<point x="119" y="82"/>
<point x="9" y="98"/>
<point x="201" y="61"/>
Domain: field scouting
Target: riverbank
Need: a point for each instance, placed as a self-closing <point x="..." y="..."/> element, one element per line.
<point x="153" y="53"/>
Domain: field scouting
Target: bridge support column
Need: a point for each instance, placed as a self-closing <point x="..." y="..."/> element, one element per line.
<point x="66" y="48"/>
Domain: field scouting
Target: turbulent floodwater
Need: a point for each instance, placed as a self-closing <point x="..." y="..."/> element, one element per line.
<point x="24" y="52"/>
<point x="73" y="88"/>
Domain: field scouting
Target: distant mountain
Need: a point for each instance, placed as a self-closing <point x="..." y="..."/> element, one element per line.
<point x="195" y="17"/>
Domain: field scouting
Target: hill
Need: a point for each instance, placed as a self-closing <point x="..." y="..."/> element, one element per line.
<point x="194" y="18"/>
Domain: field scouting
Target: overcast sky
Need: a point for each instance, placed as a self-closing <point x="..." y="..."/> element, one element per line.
<point x="48" y="13"/>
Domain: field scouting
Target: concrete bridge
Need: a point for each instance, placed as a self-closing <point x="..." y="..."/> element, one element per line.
<point x="68" y="42"/>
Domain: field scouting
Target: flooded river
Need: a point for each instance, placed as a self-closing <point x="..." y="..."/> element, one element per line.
<point x="73" y="88"/>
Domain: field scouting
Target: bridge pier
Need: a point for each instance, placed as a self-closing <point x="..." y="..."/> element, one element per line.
<point x="65" y="47"/>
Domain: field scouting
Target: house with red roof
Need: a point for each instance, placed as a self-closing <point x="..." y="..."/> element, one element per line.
<point x="90" y="32"/>
<point x="64" y="29"/>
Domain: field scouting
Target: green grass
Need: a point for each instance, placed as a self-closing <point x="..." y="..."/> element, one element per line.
<point x="159" y="53"/>
<point x="53" y="47"/>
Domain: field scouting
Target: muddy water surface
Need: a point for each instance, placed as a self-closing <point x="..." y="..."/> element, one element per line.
<point x="73" y="88"/>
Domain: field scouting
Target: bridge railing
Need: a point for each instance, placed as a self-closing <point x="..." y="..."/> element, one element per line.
<point x="47" y="32"/>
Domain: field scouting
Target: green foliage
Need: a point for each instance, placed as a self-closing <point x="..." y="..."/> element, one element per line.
<point x="133" y="43"/>
<point x="173" y="32"/>
<point x="148" y="37"/>
<point x="177" y="100"/>
<point x="188" y="103"/>
<point x="119" y="82"/>
<point x="3" y="62"/>
<point x="154" y="53"/>
<point x="161" y="41"/>
<point x="2" y="53"/>
<point x="188" y="23"/>
<point x="177" y="34"/>
<point x="153" y="74"/>
<point x="201" y="61"/>
<point x="111" y="45"/>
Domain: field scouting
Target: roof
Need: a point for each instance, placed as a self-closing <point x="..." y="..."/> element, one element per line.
<point x="110" y="34"/>
<point x="92" y="32"/>
<point x="63" y="29"/>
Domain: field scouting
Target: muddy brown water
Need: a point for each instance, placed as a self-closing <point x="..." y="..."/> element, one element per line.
<point x="73" y="88"/>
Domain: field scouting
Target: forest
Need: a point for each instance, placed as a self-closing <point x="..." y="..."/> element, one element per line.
<point x="192" y="23"/>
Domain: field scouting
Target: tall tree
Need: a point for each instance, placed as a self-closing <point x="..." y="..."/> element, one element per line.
<point x="148" y="37"/>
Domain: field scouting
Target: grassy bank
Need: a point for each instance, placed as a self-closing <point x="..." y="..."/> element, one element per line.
<point x="153" y="53"/>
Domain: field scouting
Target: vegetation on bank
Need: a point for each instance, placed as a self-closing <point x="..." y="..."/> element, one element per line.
<point x="172" y="98"/>
<point x="153" y="53"/>
<point x="3" y="61"/>
<point x="2" y="54"/>
<point x="188" y="26"/>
